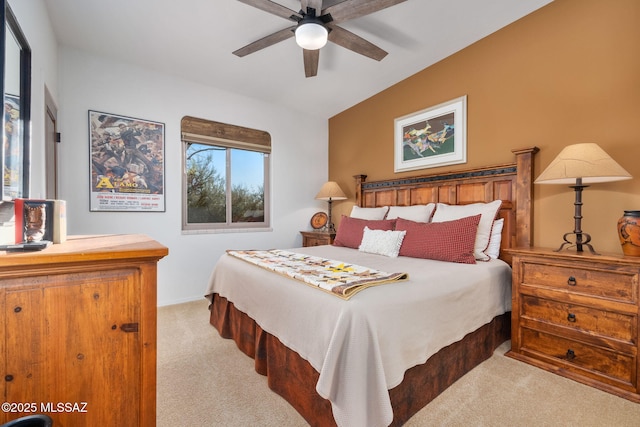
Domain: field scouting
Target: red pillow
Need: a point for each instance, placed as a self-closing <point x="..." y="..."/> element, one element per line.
<point x="350" y="231"/>
<point x="451" y="241"/>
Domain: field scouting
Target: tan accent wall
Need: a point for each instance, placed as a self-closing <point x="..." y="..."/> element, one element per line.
<point x="567" y="73"/>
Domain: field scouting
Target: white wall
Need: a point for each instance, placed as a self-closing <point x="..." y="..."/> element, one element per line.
<point x="80" y="81"/>
<point x="298" y="166"/>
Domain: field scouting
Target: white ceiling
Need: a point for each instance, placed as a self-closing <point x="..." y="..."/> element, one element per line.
<point x="193" y="39"/>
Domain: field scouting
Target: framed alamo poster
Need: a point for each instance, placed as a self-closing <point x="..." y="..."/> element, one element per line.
<point x="127" y="163"/>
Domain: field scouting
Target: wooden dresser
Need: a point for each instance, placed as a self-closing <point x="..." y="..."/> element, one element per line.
<point x="577" y="316"/>
<point x="317" y="238"/>
<point x="78" y="333"/>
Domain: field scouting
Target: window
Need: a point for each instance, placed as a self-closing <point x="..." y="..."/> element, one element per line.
<point x="225" y="177"/>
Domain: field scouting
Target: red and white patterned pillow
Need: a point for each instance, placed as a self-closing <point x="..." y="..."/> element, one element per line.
<point x="488" y="212"/>
<point x="350" y="231"/>
<point x="452" y="241"/>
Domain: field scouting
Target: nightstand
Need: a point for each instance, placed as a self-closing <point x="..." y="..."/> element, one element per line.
<point x="317" y="238"/>
<point x="577" y="315"/>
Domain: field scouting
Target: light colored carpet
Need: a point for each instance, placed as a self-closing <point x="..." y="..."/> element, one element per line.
<point x="204" y="380"/>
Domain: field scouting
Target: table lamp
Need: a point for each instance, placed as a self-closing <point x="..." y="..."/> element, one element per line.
<point x="330" y="191"/>
<point x="579" y="165"/>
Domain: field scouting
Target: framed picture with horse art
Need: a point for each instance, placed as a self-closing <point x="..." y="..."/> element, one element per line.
<point x="127" y="163"/>
<point x="436" y="136"/>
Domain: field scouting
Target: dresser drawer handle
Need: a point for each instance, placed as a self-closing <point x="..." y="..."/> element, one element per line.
<point x="571" y="281"/>
<point x="571" y="354"/>
<point x="129" y="327"/>
<point x="571" y="317"/>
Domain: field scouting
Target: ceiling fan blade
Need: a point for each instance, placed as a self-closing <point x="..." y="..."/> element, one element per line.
<point x="348" y="40"/>
<point x="267" y="41"/>
<point x="311" y="58"/>
<point x="352" y="9"/>
<point x="274" y="8"/>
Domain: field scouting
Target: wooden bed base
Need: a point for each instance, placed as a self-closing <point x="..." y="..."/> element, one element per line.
<point x="294" y="378"/>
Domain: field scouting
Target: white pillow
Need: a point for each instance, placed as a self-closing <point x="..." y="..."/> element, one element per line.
<point x="382" y="242"/>
<point x="417" y="213"/>
<point x="496" y="237"/>
<point x="488" y="212"/>
<point x="369" y="213"/>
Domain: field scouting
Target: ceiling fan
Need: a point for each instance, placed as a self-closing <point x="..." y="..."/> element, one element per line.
<point x="315" y="23"/>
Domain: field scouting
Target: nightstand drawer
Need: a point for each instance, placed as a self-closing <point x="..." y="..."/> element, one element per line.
<point x="604" y="365"/>
<point x="317" y="238"/>
<point x="619" y="326"/>
<point x="582" y="279"/>
<point x="311" y="241"/>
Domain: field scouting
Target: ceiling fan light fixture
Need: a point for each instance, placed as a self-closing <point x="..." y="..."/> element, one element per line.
<point x="311" y="35"/>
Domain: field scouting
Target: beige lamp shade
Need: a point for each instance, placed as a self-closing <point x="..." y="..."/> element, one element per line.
<point x="586" y="161"/>
<point x="331" y="191"/>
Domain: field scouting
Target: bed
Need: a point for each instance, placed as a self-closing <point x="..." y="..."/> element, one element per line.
<point x="379" y="357"/>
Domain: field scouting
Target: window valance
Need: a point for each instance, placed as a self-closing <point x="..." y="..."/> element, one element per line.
<point x="224" y="135"/>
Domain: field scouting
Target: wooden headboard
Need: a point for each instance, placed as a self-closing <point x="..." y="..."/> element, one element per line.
<point x="511" y="183"/>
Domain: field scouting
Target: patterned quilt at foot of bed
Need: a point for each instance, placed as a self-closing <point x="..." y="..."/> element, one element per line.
<point x="336" y="277"/>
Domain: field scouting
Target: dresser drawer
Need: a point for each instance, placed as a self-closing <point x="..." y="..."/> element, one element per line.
<point x="604" y="365"/>
<point x="582" y="279"/>
<point x="609" y="324"/>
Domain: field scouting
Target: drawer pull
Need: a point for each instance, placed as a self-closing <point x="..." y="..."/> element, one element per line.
<point x="571" y="281"/>
<point x="571" y="317"/>
<point x="129" y="327"/>
<point x="571" y="354"/>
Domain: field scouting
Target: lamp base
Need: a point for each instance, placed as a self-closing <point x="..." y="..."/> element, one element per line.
<point x="581" y="239"/>
<point x="330" y="227"/>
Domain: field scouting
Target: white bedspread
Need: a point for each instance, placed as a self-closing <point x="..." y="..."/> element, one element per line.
<point x="363" y="346"/>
